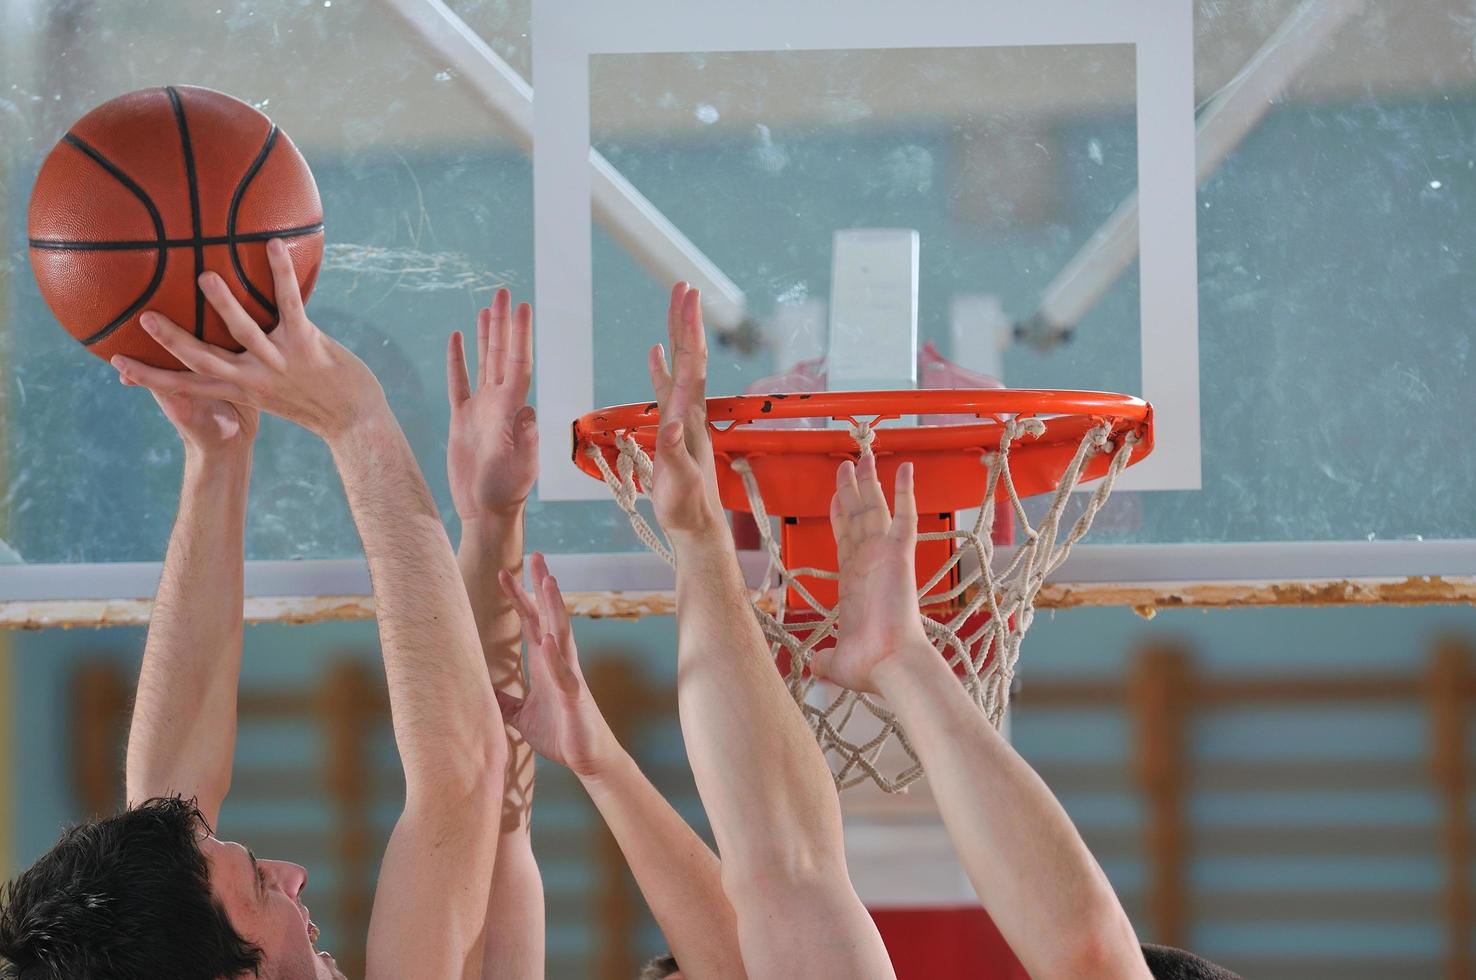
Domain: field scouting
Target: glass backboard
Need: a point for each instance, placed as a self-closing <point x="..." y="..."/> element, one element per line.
<point x="1259" y="216"/>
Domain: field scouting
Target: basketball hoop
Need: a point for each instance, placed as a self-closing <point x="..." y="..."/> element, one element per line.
<point x="977" y="599"/>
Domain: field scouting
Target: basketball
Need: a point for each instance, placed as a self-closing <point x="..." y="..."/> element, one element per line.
<point x="152" y="189"/>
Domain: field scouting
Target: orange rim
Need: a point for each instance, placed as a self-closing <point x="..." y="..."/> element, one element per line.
<point x="1072" y="413"/>
<point x="794" y="468"/>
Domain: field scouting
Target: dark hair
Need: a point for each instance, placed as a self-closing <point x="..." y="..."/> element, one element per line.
<point x="660" y="968"/>
<point x="1167" y="963"/>
<point x="123" y="897"/>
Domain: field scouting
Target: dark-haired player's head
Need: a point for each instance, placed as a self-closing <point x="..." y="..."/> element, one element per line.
<point x="1167" y="963"/>
<point x="149" y="892"/>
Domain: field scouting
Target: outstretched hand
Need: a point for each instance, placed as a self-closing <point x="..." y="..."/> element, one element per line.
<point x="492" y="448"/>
<point x="558" y="717"/>
<point x="685" y="493"/>
<point x="879" y="617"/>
<point x="297" y="371"/>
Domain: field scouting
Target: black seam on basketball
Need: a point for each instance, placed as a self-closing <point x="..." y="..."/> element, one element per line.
<point x="61" y="245"/>
<point x="236" y="198"/>
<point x="132" y="186"/>
<point x="195" y="229"/>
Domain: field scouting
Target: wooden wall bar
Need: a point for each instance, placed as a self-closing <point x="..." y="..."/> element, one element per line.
<point x="1163" y="690"/>
<point x="1161" y="694"/>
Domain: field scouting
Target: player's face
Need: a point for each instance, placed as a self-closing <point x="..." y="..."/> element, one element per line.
<point x="263" y="901"/>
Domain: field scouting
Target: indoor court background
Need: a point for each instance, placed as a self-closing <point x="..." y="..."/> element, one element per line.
<point x="1283" y="788"/>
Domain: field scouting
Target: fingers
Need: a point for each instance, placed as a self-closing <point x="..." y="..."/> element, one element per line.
<point x="284" y="282"/>
<point x="458" y="385"/>
<point x="238" y="322"/>
<point x="557" y="614"/>
<point x="185" y="383"/>
<point x="537" y="571"/>
<point x="193" y="353"/>
<point x="484" y="334"/>
<point x="517" y="365"/>
<point x="840" y="527"/>
<point x="689" y="356"/>
<point x="557" y="645"/>
<point x="562" y="668"/>
<point x="494" y="351"/>
<point x="550" y="603"/>
<point x="672" y="454"/>
<point x="874" y="516"/>
<point x="660" y="374"/>
<point x="522" y="604"/>
<point x="674" y="312"/>
<point x="692" y="322"/>
<point x="904" y="518"/>
<point x="846" y="491"/>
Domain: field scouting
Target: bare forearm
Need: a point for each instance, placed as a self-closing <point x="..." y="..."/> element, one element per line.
<point x="515" y="913"/>
<point x="677" y="873"/>
<point x="446" y="722"/>
<point x="514" y="936"/>
<point x="773" y="802"/>
<point x="1025" y="859"/>
<point x="763" y="781"/>
<point x="489" y="545"/>
<point x="184" y="721"/>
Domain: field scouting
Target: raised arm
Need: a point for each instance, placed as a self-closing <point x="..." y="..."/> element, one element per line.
<point x="762" y="778"/>
<point x="1026" y="861"/>
<point x="492" y="461"/>
<point x="183" y="732"/>
<point x="677" y="874"/>
<point x="431" y="900"/>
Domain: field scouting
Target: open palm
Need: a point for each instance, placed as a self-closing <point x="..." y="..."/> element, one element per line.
<point x="558" y="717"/>
<point x="685" y="494"/>
<point x="879" y="615"/>
<point x="492" y="448"/>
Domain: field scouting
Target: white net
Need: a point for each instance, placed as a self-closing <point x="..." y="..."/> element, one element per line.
<point x="977" y="623"/>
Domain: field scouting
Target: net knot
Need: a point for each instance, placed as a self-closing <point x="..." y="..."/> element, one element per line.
<point x="1033" y="427"/>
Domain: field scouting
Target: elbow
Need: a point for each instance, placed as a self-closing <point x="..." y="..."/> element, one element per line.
<point x="466" y="776"/>
<point x="780" y="878"/>
<point x="481" y="779"/>
<point x="1102" y="946"/>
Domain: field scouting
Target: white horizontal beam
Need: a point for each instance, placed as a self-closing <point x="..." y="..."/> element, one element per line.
<point x="139" y="580"/>
<point x="640" y="571"/>
<point x="1144" y="577"/>
<point x="1267" y="561"/>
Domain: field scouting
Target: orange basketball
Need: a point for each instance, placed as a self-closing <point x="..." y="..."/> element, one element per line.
<point x="148" y="191"/>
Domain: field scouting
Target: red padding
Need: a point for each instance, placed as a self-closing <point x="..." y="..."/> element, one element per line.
<point x="946" y="944"/>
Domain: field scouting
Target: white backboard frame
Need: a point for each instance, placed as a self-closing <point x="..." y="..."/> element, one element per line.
<point x="567" y="33"/>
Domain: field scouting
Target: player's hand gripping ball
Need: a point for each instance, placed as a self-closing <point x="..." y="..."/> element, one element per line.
<point x="150" y="190"/>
